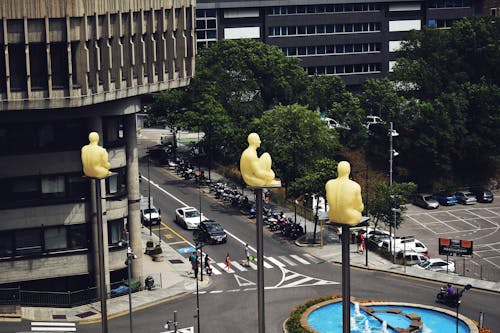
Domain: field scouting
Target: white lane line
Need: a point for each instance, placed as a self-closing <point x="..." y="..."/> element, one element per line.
<point x="299" y="259"/>
<point x="304" y="280"/>
<point x="215" y="271"/>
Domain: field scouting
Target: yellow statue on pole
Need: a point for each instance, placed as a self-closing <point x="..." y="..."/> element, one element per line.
<point x="344" y="197"/>
<point x="95" y="158"/>
<point x="256" y="171"/>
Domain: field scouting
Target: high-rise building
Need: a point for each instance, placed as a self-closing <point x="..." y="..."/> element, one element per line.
<point x="356" y="40"/>
<point x="68" y="68"/>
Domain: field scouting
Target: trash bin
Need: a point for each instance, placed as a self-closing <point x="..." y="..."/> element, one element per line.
<point x="149" y="282"/>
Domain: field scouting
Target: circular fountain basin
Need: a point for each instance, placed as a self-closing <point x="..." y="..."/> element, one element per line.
<point x="385" y="317"/>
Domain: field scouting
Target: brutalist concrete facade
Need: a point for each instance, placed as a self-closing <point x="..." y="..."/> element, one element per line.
<point x="68" y="68"/>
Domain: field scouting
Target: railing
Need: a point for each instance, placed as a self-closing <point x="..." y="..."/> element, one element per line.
<point x="64" y="299"/>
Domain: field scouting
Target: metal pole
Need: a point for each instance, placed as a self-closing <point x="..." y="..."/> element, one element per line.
<point x="197" y="299"/>
<point x="201" y="243"/>
<point x="458" y="305"/>
<point x="390" y="186"/>
<point x="149" y="197"/>
<point x="129" y="262"/>
<point x="346" y="282"/>
<point x="260" y="262"/>
<point x="102" y="279"/>
<point x="366" y="246"/>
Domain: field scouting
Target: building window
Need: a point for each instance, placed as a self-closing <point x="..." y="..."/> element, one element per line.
<point x="320" y="9"/>
<point x="53" y="186"/>
<point x="25" y="188"/>
<point x="17" y="66"/>
<point x="55" y="238"/>
<point x="323" y="29"/>
<point x="78" y="237"/>
<point x="59" y="62"/>
<point x="38" y="66"/>
<point x="115" y="231"/>
<point x="116" y="183"/>
<point x="28" y="241"/>
<point x="6" y="244"/>
<point x="449" y="3"/>
<point x="113" y="132"/>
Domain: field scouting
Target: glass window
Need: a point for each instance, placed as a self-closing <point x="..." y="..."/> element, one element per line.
<point x="301" y="30"/>
<point x="28" y="241"/>
<point x="78" y="236"/>
<point x="311" y="50"/>
<point x="211" y="24"/>
<point x="6" y="244"/>
<point x="200" y="24"/>
<point x="330" y="49"/>
<point x="200" y="35"/>
<point x="38" y="66"/>
<point x="339" y="48"/>
<point x="55" y="238"/>
<point x="349" y="48"/>
<point x="53" y="186"/>
<point x="112" y="184"/>
<point x="302" y="50"/>
<point x="311" y="29"/>
<point x="292" y="30"/>
<point x="320" y="29"/>
<point x="358" y="48"/>
<point x="292" y="10"/>
<point x="212" y="34"/>
<point x="339" y="28"/>
<point x="301" y="9"/>
<point x="46" y="135"/>
<point x="115" y="231"/>
<point x="321" y="49"/>
<point x="348" y="27"/>
<point x="339" y="69"/>
<point x="113" y="130"/>
<point x="25" y="188"/>
<point x="330" y="28"/>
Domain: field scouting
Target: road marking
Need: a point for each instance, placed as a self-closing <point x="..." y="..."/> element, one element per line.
<point x="299" y="259"/>
<point x="238" y="266"/>
<point x="242" y="282"/>
<point x="182" y="330"/>
<point x="288" y="261"/>
<point x="276" y="262"/>
<point x="52" y="326"/>
<point x="312" y="258"/>
<point x="223" y="266"/>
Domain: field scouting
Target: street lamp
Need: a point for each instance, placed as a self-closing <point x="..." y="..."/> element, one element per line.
<point x="130" y="256"/>
<point x="392" y="153"/>
<point x="459" y="296"/>
<point x="149" y="196"/>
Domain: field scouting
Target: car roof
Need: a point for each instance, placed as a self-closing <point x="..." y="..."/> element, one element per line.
<point x="187" y="208"/>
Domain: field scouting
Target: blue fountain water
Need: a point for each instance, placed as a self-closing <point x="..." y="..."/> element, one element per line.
<point x="328" y="319"/>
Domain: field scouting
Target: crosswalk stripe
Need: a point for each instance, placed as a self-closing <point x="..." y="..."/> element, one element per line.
<point x="223" y="266"/>
<point x="266" y="264"/>
<point x="288" y="261"/>
<point x="51" y="323"/>
<point x="299" y="259"/>
<point x="254" y="266"/>
<point x="238" y="266"/>
<point x="276" y="262"/>
<point x="215" y="271"/>
<point x="312" y="258"/>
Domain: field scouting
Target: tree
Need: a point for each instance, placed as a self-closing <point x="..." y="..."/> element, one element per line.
<point x="346" y="109"/>
<point x="379" y="97"/>
<point x="296" y="138"/>
<point x="385" y="198"/>
<point x="323" y="91"/>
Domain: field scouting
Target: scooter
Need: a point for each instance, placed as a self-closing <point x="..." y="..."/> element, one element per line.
<point x="443" y="298"/>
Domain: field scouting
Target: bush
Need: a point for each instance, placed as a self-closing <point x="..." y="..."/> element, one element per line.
<point x="157" y="250"/>
<point x="293" y="323"/>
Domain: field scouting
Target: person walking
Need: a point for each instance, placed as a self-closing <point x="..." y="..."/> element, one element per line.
<point x="246" y="262"/>
<point x="192" y="261"/>
<point x="228" y="262"/>
<point x="208" y="269"/>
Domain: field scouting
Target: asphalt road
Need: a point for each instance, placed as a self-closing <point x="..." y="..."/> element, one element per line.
<point x="230" y="303"/>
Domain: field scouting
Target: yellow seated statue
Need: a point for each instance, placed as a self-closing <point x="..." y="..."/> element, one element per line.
<point x="95" y="158"/>
<point x="344" y="197"/>
<point x="256" y="171"/>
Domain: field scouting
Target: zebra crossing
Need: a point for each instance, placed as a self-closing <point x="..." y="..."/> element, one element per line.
<point x="219" y="268"/>
<point x="52" y="326"/>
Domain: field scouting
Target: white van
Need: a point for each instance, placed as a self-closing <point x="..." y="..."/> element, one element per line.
<point x="415" y="246"/>
<point x="412" y="258"/>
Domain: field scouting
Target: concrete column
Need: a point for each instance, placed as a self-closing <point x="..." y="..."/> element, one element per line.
<point x="95" y="125"/>
<point x="134" y="195"/>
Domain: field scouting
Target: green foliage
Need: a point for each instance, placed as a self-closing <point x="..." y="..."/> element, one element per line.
<point x="381" y="202"/>
<point x="323" y="91"/>
<point x="347" y="110"/>
<point x="314" y="180"/>
<point x="296" y="138"/>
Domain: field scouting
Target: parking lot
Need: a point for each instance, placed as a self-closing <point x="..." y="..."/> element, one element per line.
<point x="479" y="223"/>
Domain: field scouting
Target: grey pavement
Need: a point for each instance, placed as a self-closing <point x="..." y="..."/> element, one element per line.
<point x="175" y="281"/>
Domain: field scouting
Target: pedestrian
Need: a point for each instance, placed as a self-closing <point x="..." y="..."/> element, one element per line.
<point x="247" y="256"/>
<point x="208" y="269"/>
<point x="339" y="233"/>
<point x="359" y="240"/>
<point x="362" y="243"/>
<point x="228" y="262"/>
<point x="192" y="261"/>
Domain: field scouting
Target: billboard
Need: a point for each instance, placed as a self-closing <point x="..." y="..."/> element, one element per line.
<point x="455" y="247"/>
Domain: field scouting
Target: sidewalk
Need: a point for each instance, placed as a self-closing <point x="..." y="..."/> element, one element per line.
<point x="175" y="283"/>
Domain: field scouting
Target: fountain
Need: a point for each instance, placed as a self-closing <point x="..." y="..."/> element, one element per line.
<point x="384" y="327"/>
<point x="367" y="327"/>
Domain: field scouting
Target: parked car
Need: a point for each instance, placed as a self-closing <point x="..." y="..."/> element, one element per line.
<point x="411" y="258"/>
<point x="188" y="217"/>
<point x="210" y="232"/>
<point x="446" y="198"/>
<point x="150" y="216"/>
<point x="332" y="123"/>
<point x="398" y="246"/>
<point x="373" y="120"/>
<point x="465" y="197"/>
<point x="437" y="265"/>
<point x="482" y="194"/>
<point x="425" y="200"/>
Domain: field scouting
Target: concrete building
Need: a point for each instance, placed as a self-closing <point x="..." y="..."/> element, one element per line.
<point x="68" y="68"/>
<point x="354" y="39"/>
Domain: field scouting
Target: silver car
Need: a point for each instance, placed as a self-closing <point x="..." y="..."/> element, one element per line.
<point x="465" y="197"/>
<point x="425" y="200"/>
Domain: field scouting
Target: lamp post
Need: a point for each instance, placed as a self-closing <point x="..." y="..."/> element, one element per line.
<point x="197" y="297"/>
<point x="459" y="296"/>
<point x="392" y="153"/>
<point x="130" y="256"/>
<point x="149" y="196"/>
